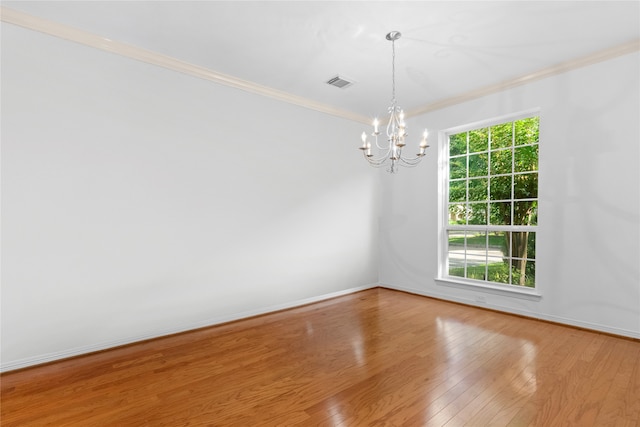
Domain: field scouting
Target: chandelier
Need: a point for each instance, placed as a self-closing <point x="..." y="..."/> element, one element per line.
<point x="391" y="152"/>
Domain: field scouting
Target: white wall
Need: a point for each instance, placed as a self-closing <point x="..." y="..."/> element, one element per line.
<point x="588" y="240"/>
<point x="137" y="201"/>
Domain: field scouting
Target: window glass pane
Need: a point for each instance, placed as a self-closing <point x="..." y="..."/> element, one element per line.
<point x="477" y="213"/>
<point x="458" y="144"/>
<point x="519" y="243"/>
<point x="500" y="162"/>
<point x="534" y="214"/>
<point x="456" y="253"/>
<point x="499" y="246"/>
<point x="525" y="212"/>
<point x="527" y="130"/>
<point x="523" y="273"/>
<point x="499" y="272"/>
<point x="458" y="168"/>
<point x="531" y="245"/>
<point x="478" y="164"/>
<point x="457" y="214"/>
<point x="458" y="191"/>
<point x="456" y="271"/>
<point x="525" y="186"/>
<point x="476" y="255"/>
<point x="478" y="140"/>
<point x="477" y="239"/>
<point x="477" y="272"/>
<point x="526" y="158"/>
<point x="501" y="188"/>
<point x="500" y="213"/>
<point x="501" y="135"/>
<point x="478" y="190"/>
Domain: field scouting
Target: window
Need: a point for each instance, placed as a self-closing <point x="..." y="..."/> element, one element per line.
<point x="491" y="202"/>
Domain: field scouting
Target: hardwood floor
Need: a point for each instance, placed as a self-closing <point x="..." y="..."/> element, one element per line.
<point x="377" y="357"/>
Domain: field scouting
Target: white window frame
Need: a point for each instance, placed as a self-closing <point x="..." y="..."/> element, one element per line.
<point x="444" y="226"/>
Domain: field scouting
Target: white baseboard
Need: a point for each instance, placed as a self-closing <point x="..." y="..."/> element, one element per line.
<point x="525" y="313"/>
<point x="77" y="351"/>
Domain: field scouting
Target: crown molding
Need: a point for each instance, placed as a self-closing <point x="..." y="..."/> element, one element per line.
<point x="88" y="39"/>
<point x="66" y="32"/>
<point x="563" y="67"/>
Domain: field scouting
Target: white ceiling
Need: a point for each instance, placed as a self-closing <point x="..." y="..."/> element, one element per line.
<point x="447" y="49"/>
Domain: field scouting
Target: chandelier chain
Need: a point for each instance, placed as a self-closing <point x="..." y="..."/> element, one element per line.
<point x="393" y="73"/>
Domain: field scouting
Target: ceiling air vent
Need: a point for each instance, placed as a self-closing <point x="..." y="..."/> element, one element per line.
<point x="340" y="82"/>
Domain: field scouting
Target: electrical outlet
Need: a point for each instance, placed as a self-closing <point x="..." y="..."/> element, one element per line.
<point x="481" y="299"/>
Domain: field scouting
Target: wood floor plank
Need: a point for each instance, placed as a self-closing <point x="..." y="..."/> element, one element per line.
<point x="374" y="358"/>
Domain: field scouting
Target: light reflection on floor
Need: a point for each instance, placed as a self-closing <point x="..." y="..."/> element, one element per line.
<point x="358" y="352"/>
<point x="516" y="354"/>
<point x="335" y="414"/>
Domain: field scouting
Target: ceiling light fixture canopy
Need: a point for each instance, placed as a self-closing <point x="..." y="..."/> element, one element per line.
<point x="391" y="153"/>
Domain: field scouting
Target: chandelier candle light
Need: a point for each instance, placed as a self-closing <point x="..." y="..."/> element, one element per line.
<point x="396" y="129"/>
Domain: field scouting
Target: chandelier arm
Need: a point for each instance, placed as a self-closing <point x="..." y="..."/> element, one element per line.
<point x="413" y="161"/>
<point x="409" y="166"/>
<point x="381" y="159"/>
<point x="381" y="147"/>
<point x="376" y="161"/>
<point x="377" y="165"/>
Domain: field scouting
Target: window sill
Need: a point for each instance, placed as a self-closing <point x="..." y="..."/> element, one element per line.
<point x="506" y="290"/>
